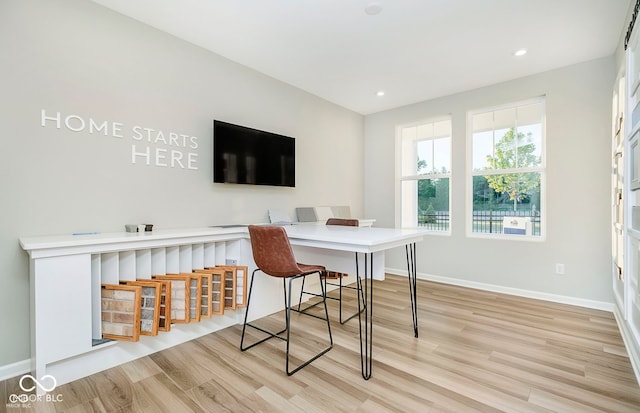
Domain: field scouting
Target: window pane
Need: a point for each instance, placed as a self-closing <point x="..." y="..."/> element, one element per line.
<point x="517" y="148"/>
<point x="530" y="130"/>
<point x="528" y="146"/>
<point x="534" y="134"/>
<point x="425" y="204"/>
<point x="482" y="150"/>
<point x="442" y="155"/>
<point x="425" y="157"/>
<point x="500" y="198"/>
<point x="505" y="155"/>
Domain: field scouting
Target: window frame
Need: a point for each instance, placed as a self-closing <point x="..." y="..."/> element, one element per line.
<point x="400" y="178"/>
<point x="541" y="169"/>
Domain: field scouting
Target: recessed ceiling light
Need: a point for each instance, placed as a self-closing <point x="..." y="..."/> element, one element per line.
<point x="373" y="8"/>
<point x="380" y="93"/>
<point x="520" y="52"/>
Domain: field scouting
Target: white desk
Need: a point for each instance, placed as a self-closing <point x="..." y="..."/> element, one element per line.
<point x="353" y="239"/>
<point x="327" y="245"/>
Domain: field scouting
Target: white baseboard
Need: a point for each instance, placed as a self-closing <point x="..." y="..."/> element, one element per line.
<point x="556" y="298"/>
<point x="15" y="369"/>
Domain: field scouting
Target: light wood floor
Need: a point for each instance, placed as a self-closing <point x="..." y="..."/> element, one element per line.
<point x="477" y="352"/>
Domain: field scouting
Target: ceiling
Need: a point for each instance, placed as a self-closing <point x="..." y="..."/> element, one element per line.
<point x="413" y="50"/>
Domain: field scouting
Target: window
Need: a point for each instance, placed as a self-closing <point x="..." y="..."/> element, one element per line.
<point x="424" y="170"/>
<point x="507" y="170"/>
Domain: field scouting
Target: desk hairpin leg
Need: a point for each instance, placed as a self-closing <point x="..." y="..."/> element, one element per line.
<point x="366" y="327"/>
<point x="412" y="273"/>
<point x="366" y="336"/>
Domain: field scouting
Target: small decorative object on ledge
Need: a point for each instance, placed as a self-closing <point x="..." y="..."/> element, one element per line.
<point x="138" y="227"/>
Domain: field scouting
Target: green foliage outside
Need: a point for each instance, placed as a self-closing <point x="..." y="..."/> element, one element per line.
<point x="514" y="150"/>
<point x="433" y="194"/>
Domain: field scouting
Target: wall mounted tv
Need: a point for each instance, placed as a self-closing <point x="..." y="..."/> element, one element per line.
<point x="244" y="155"/>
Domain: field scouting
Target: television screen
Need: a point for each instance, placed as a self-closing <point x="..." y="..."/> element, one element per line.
<point x="244" y="155"/>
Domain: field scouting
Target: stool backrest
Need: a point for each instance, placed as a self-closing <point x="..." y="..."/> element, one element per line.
<point x="343" y="221"/>
<point x="272" y="251"/>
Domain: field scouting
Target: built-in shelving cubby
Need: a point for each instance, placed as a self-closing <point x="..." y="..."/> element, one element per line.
<point x="67" y="275"/>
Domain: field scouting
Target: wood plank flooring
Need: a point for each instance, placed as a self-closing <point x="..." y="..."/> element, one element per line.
<point x="477" y="352"/>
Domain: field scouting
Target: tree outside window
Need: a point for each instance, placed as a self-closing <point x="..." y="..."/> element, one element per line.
<point x="514" y="150"/>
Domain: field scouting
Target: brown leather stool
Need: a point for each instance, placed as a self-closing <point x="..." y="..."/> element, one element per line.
<point x="273" y="256"/>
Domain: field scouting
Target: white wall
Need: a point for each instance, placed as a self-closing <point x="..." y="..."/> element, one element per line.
<point x="578" y="100"/>
<point x="77" y="58"/>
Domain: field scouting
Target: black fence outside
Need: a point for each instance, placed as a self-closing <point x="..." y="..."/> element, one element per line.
<point x="489" y="222"/>
<point x="435" y="221"/>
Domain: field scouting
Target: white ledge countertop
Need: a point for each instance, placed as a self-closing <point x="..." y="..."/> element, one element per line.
<point x="103" y="239"/>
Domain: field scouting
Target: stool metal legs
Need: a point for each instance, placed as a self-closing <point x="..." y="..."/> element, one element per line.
<point x="358" y="288"/>
<point x="287" y="329"/>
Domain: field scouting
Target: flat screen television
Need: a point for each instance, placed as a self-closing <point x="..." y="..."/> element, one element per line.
<point x="244" y="155"/>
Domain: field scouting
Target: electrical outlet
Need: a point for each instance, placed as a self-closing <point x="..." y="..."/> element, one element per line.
<point x="559" y="268"/>
<point x="231" y="261"/>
